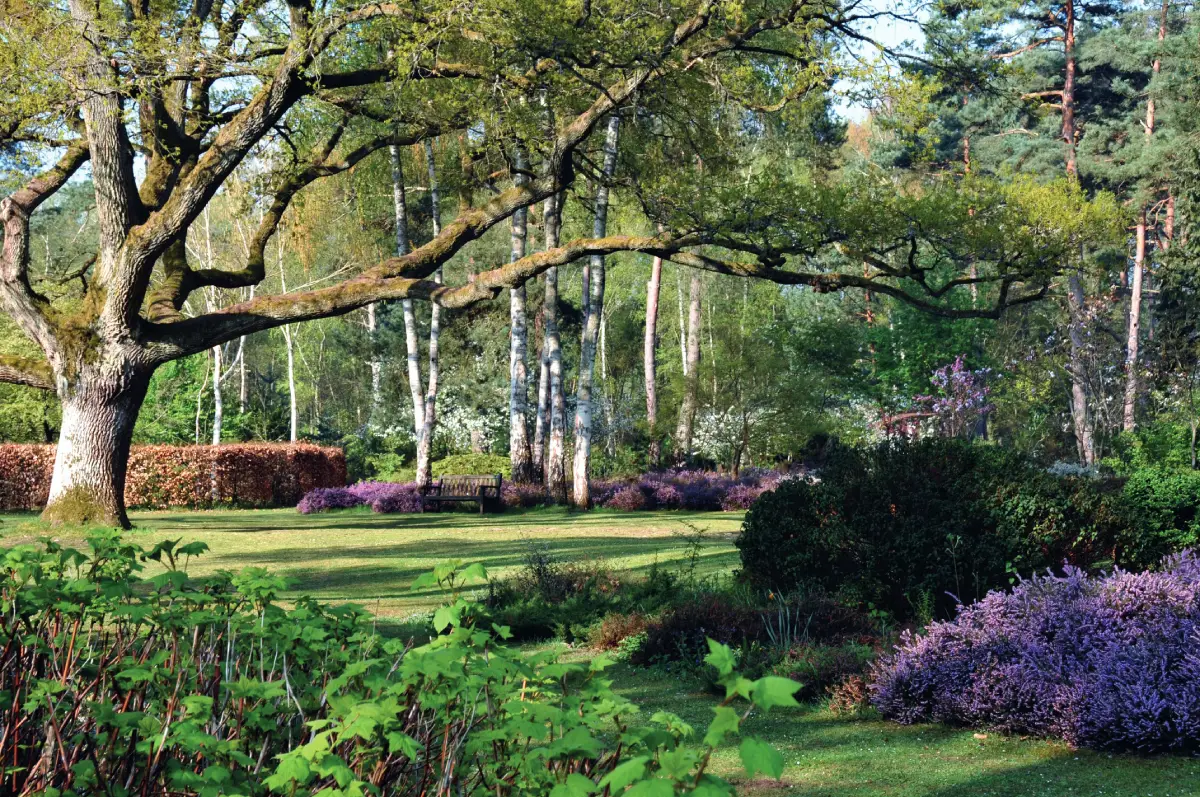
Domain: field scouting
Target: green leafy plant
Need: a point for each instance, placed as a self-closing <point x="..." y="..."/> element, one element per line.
<point x="122" y="684"/>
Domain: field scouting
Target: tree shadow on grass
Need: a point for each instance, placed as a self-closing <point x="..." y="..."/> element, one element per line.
<point x="249" y="522"/>
<point x="384" y="572"/>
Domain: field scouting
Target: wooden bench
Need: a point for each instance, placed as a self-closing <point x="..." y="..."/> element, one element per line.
<point x="485" y="490"/>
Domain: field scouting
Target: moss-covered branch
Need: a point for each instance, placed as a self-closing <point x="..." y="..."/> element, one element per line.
<point x="24" y="371"/>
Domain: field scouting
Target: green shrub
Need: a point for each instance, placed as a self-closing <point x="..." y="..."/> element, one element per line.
<point x="470" y="464"/>
<point x="911" y="528"/>
<point x="172" y="686"/>
<point x="1166" y="507"/>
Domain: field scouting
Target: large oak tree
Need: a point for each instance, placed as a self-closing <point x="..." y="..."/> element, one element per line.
<point x="160" y="102"/>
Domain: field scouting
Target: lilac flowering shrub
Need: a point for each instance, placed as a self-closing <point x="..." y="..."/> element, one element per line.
<point x="1110" y="662"/>
<point x="960" y="397"/>
<point x="382" y="497"/>
<point x="695" y="490"/>
<point x="325" y="498"/>
<point x="515" y="494"/>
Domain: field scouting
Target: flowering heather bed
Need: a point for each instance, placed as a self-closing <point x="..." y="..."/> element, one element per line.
<point x="1110" y="662"/>
<point x="696" y="490"/>
<point x="383" y="497"/>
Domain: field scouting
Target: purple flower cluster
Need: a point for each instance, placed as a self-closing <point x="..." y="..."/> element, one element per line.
<point x="960" y="397"/>
<point x="382" y="497"/>
<point x="695" y="490"/>
<point x="325" y="498"/>
<point x="1109" y="662"/>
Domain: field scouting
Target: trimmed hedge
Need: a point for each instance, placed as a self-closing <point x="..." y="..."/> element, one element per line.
<point x="198" y="477"/>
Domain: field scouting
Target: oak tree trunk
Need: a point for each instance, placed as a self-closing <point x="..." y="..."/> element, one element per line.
<point x="581" y="495"/>
<point x="100" y="405"/>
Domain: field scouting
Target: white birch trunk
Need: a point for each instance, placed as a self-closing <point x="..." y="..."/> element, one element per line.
<point x="1135" y="320"/>
<point x="650" y="357"/>
<point x="595" y="309"/>
<point x="555" y="465"/>
<point x="518" y="376"/>
<point x="429" y="416"/>
<point x="687" y="411"/>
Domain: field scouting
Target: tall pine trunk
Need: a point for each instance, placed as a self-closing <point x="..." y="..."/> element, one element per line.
<point x="1139" y="261"/>
<point x="687" y="410"/>
<point x="1081" y="417"/>
<point x="429" y="416"/>
<point x="555" y="465"/>
<point x="591" y="328"/>
<point x="520" y="457"/>
<point x="650" y="359"/>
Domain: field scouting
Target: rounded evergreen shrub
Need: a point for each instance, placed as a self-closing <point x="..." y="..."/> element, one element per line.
<point x="795" y="535"/>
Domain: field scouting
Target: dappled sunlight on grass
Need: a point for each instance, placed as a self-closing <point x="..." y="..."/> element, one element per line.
<point x="357" y="556"/>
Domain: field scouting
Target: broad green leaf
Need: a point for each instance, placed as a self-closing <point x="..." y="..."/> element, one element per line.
<point x="720" y="657"/>
<point x="758" y="756"/>
<point x="725" y="723"/>
<point x="624" y="774"/>
<point x="772" y="691"/>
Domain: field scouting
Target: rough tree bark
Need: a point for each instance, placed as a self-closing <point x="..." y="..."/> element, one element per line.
<point x="581" y="495"/>
<point x="691" y="384"/>
<point x="650" y="359"/>
<point x="1081" y="416"/>
<point x="520" y="456"/>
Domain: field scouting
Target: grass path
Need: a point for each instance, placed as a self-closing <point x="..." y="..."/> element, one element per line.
<point x="370" y="559"/>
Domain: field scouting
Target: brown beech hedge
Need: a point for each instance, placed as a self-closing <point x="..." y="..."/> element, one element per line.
<point x="199" y="477"/>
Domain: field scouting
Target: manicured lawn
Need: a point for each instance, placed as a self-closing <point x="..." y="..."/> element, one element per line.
<point x="357" y="556"/>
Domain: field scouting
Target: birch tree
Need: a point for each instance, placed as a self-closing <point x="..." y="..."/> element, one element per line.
<point x="593" y="312"/>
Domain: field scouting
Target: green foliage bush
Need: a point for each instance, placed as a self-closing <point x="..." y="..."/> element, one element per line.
<point x="167" y="685"/>
<point x="468" y="464"/>
<point x="910" y="527"/>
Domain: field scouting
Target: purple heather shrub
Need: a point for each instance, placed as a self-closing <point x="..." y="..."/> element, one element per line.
<point x="325" y="498"/>
<point x="1110" y="662"/>
<point x="389" y="497"/>
<point x="661" y="494"/>
<point x="604" y="489"/>
<point x="741" y="496"/>
<point x="628" y="499"/>
<point x="523" y="495"/>
<point x="398" y="499"/>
